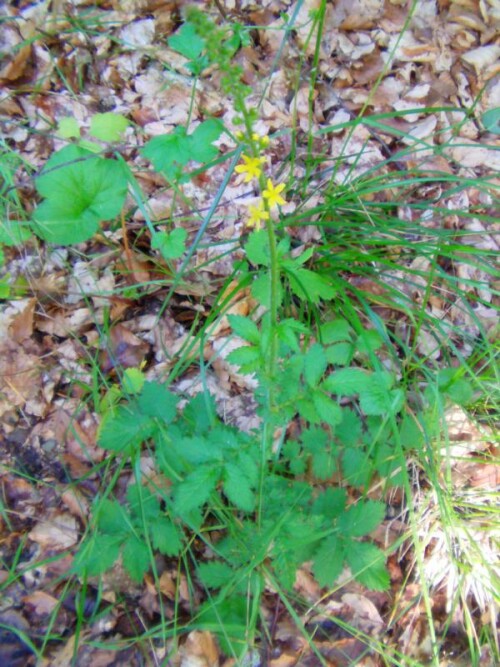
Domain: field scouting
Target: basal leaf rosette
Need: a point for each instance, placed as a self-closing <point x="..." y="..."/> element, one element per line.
<point x="81" y="191"/>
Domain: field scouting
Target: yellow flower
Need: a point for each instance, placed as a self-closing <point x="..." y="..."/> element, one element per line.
<point x="251" y="168"/>
<point x="272" y="194"/>
<point x="257" y="215"/>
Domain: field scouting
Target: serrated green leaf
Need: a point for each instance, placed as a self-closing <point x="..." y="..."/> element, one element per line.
<point x="330" y="503"/>
<point x="155" y="400"/>
<point x="377" y="398"/>
<point x="328" y="409"/>
<point x="288" y="331"/>
<point x="111" y="518"/>
<point x="315" y="364"/>
<point x="200" y="412"/>
<point x="357" y="467"/>
<point x="123" y="427"/>
<point x="369" y="341"/>
<point x="367" y="563"/>
<point x="198" y="450"/>
<point x="339" y="354"/>
<point x="97" y="554"/>
<point x="136" y="558"/>
<point x="348" y="432"/>
<point x="81" y="191"/>
<point x="187" y="42"/>
<point x="335" y="331"/>
<point x="195" y="489"/>
<point x="307" y="410"/>
<point x="249" y="467"/>
<point x="314" y="439"/>
<point x="257" y="248"/>
<point x="361" y="518"/>
<point x="310" y="286"/>
<point x="248" y="357"/>
<point x="245" y="328"/>
<point x="324" y="464"/>
<point x="346" y="381"/>
<point x="165" y="537"/>
<point x="108" y="126"/>
<point x="328" y="561"/>
<point x="171" y="245"/>
<point x="237" y="488"/>
<point x="143" y="503"/>
<point x="261" y="290"/>
<point x="215" y="574"/>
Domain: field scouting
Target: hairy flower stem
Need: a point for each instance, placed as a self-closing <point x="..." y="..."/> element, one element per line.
<point x="272" y="353"/>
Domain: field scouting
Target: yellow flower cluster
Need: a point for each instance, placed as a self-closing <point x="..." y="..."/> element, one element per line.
<point x="252" y="168"/>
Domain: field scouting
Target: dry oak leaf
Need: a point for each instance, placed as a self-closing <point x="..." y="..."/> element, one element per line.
<point x="58" y="533"/>
<point x="200" y="650"/>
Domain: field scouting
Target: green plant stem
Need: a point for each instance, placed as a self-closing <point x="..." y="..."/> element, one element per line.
<point x="272" y="354"/>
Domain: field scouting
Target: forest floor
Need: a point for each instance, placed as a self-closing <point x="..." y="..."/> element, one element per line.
<point x="74" y="317"/>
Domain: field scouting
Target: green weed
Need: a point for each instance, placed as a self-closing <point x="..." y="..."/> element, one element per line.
<point x="357" y="386"/>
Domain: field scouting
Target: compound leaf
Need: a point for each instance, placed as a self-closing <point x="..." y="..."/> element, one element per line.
<point x="310" y="286"/>
<point x="97" y="554"/>
<point x="328" y="561"/>
<point x="237" y="488"/>
<point x="367" y="563"/>
<point x="195" y="489"/>
<point x="112" y="518"/>
<point x="165" y="537"/>
<point x="136" y="558"/>
<point x="156" y="401"/>
<point x="346" y="381"/>
<point x="215" y="574"/>
<point x="245" y="328"/>
<point x="122" y="428"/>
<point x="362" y="518"/>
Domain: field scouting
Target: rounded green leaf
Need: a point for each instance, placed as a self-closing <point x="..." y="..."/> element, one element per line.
<point x="68" y="128"/>
<point x="108" y="126"/>
<point x="81" y="191"/>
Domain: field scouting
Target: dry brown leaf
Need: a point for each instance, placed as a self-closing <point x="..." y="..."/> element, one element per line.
<point x="16" y="67"/>
<point x="200" y="650"/>
<point x="58" y="533"/>
<point x="20" y="377"/>
<point x="40" y="603"/>
<point x="21" y="326"/>
<point x="483" y="58"/>
<point x="125" y="349"/>
<point x="76" y="502"/>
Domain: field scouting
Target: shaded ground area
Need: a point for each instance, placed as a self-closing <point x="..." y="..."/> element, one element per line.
<point x="73" y="317"/>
